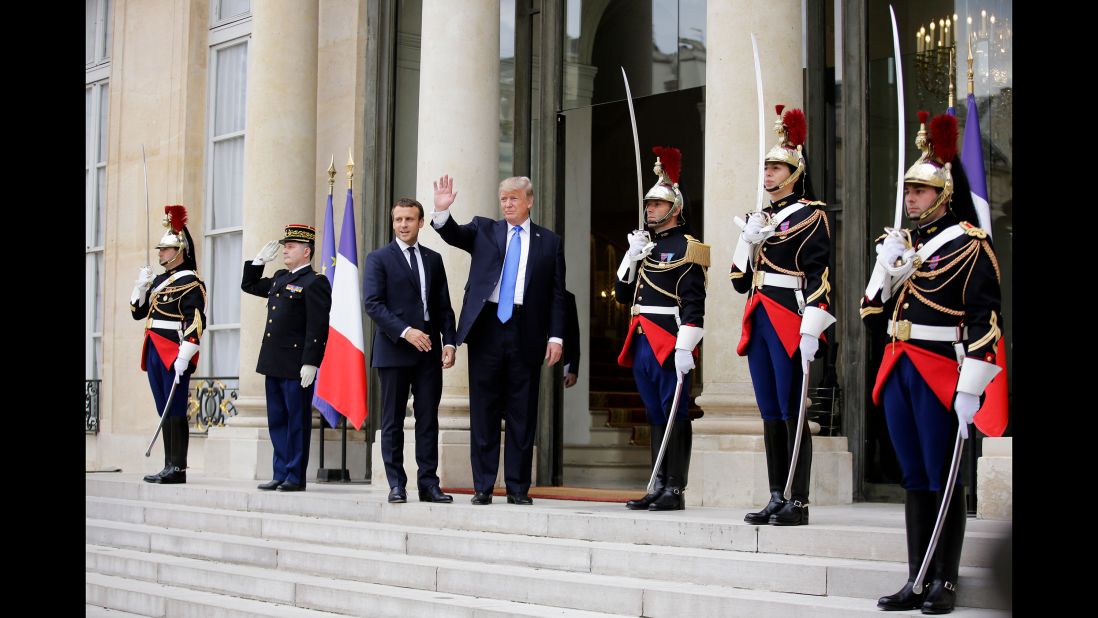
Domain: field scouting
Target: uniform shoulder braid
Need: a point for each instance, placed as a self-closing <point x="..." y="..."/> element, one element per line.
<point x="972" y="230"/>
<point x="809" y="202"/>
<point x="697" y="252"/>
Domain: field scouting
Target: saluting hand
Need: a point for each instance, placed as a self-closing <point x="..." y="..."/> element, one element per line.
<point x="444" y="193"/>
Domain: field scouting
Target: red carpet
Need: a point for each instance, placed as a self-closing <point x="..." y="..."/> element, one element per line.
<point x="565" y="493"/>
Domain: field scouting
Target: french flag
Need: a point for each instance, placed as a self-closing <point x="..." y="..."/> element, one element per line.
<point x="992" y="416"/>
<point x="341" y="381"/>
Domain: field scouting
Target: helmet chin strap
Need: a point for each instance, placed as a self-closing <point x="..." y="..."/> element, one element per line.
<point x="670" y="211"/>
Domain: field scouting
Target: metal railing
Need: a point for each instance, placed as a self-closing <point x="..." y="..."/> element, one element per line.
<point x="91" y="405"/>
<point x="211" y="402"/>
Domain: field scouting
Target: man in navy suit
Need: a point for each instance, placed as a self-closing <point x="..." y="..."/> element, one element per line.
<point x="409" y="301"/>
<point x="512" y="317"/>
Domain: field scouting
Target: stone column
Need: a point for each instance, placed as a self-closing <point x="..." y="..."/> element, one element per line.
<point x="729" y="467"/>
<point x="279" y="188"/>
<point x="458" y="135"/>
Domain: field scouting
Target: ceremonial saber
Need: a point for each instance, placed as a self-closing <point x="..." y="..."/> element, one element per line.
<point x="954" y="467"/>
<point x="145" y="166"/>
<point x="636" y="150"/>
<point x="666" y="433"/>
<point x="900" y="145"/>
<point x="800" y="432"/>
<point x="163" y="415"/>
<point x="762" y="124"/>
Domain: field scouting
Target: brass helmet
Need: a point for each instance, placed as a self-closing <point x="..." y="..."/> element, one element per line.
<point x="792" y="128"/>
<point x="176" y="235"/>
<point x="939" y="147"/>
<point x="668" y="165"/>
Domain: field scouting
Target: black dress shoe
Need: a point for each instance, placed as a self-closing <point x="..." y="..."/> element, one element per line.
<point x="482" y="497"/>
<point x="175" y="477"/>
<point x="641" y="504"/>
<point x="903" y="600"/>
<point x="519" y="499"/>
<point x="155" y="478"/>
<point x="671" y="499"/>
<point x="793" y="513"/>
<point x="434" y="494"/>
<point x="761" y="518"/>
<point x="940" y="597"/>
<point x="269" y="485"/>
<point x="397" y="494"/>
<point x="288" y="486"/>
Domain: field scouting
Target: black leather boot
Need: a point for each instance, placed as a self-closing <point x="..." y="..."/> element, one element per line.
<point x="165" y="437"/>
<point x="920" y="510"/>
<point x="180" y="440"/>
<point x="777" y="467"/>
<point x="942" y="593"/>
<point x="641" y="504"/>
<point x="795" y="511"/>
<point x="678" y="469"/>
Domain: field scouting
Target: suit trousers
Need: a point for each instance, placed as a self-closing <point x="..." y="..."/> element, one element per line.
<point x="424" y="380"/>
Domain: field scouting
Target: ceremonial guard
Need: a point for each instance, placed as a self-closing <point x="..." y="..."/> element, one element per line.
<point x="935" y="289"/>
<point x="173" y="305"/>
<point x="781" y="262"/>
<point x="664" y="276"/>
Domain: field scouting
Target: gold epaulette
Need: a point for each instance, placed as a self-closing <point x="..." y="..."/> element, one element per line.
<point x="972" y="230"/>
<point x="811" y="202"/>
<point x="697" y="252"/>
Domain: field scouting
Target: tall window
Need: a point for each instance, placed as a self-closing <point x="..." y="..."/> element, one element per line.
<point x="225" y="184"/>
<point x="97" y="71"/>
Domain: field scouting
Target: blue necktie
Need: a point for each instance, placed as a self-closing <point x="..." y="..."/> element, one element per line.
<point x="510" y="274"/>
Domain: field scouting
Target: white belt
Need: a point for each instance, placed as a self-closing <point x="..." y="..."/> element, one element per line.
<point x="904" y="330"/>
<point x="165" y="324"/>
<point x="761" y="278"/>
<point x="637" y="309"/>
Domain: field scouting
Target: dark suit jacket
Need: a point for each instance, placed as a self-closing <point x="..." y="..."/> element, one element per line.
<point x="392" y="301"/>
<point x="571" y="355"/>
<point x="543" y="296"/>
<point x="296" y="331"/>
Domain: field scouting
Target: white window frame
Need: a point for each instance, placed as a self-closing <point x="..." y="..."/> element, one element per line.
<point x="102" y="14"/>
<point x="222" y="36"/>
<point x="93" y="277"/>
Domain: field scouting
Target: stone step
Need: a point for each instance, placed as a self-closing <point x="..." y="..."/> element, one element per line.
<point x="859" y="532"/>
<point x="803" y="575"/>
<point x="591" y="455"/>
<point x="314" y="595"/>
<point x="152" y="599"/>
<point x="94" y="611"/>
<point x="609" y="475"/>
<point x="310" y="595"/>
<point x="606" y="436"/>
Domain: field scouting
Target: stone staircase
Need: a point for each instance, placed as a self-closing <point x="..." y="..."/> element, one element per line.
<point x="217" y="547"/>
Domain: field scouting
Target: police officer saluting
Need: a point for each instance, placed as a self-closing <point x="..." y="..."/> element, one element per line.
<point x="663" y="276"/>
<point x="173" y="306"/>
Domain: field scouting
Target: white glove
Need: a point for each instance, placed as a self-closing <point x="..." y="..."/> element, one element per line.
<point x="757" y="228"/>
<point x="266" y="254"/>
<point x="966" y="406"/>
<point x="809" y="346"/>
<point x="187" y="350"/>
<point x="684" y="361"/>
<point x="640" y="245"/>
<point x="308" y="374"/>
<point x="141" y="285"/>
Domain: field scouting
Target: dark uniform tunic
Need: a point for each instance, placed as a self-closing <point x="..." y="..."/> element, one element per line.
<point x="674" y="275"/>
<point x="296" y="334"/>
<point x="800" y="247"/>
<point x="173" y="307"/>
<point x="956" y="286"/>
